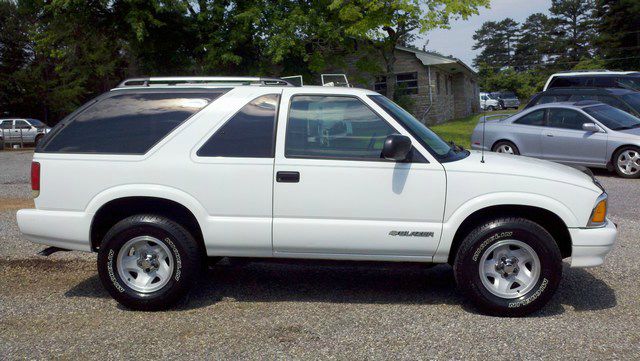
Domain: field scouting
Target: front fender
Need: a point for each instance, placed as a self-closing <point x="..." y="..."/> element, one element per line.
<point x="457" y="216"/>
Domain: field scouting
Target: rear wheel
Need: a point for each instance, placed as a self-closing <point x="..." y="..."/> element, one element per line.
<point x="626" y="162"/>
<point x="506" y="147"/>
<point x="37" y="140"/>
<point x="148" y="262"/>
<point x="491" y="108"/>
<point x="508" y="267"/>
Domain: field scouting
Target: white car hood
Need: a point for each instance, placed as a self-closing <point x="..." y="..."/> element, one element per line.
<point x="498" y="163"/>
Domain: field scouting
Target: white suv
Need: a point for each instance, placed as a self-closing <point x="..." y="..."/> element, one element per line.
<point x="158" y="174"/>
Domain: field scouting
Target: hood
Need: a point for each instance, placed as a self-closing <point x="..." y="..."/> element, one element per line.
<point x="631" y="132"/>
<point x="498" y="163"/>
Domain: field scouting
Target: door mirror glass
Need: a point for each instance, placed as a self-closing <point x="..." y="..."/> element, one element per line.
<point x="590" y="127"/>
<point x="396" y="147"/>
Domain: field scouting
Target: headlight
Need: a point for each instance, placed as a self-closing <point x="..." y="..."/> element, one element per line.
<point x="599" y="212"/>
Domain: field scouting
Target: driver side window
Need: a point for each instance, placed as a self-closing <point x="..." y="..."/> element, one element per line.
<point x="334" y="127"/>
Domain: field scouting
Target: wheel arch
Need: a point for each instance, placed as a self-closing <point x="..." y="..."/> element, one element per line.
<point x="115" y="210"/>
<point x="503" y="140"/>
<point x="549" y="220"/>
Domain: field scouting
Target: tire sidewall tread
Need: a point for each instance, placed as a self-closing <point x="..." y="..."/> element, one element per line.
<point x="184" y="250"/>
<point x="466" y="266"/>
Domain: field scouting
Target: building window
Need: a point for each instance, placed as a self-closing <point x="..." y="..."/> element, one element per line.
<point x="407" y="83"/>
<point x="380" y="84"/>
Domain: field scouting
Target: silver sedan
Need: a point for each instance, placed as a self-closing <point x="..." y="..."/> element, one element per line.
<point x="586" y="133"/>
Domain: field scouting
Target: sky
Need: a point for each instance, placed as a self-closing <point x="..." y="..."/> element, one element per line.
<point x="458" y="40"/>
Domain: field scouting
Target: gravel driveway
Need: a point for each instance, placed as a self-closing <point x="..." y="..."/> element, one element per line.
<point x="55" y="307"/>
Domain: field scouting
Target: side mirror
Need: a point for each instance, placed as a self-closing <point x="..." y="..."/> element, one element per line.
<point x="396" y="147"/>
<point x="590" y="127"/>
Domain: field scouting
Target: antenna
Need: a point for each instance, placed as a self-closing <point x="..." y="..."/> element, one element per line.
<point x="484" y="124"/>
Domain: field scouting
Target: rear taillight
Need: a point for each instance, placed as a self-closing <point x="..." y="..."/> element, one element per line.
<point x="35" y="179"/>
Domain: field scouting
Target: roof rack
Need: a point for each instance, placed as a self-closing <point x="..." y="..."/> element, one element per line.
<point x="584" y="71"/>
<point x="203" y="80"/>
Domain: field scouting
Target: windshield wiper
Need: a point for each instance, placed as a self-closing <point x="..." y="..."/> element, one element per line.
<point x="456" y="148"/>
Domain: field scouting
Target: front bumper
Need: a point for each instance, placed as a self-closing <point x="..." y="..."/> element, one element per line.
<point x="62" y="229"/>
<point x="591" y="245"/>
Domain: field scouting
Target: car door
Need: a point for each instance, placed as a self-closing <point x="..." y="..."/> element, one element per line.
<point x="6" y="127"/>
<point x="564" y="140"/>
<point x="334" y="197"/>
<point x="24" y="131"/>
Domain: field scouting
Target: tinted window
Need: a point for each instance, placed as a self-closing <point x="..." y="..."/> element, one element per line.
<point x="552" y="99"/>
<point x="7" y="124"/>
<point x="533" y="118"/>
<point x="566" y="81"/>
<point x="334" y="127"/>
<point x="127" y="123"/>
<point x="579" y="97"/>
<point x="613" y="118"/>
<point x="249" y="133"/>
<point x="566" y="119"/>
<point x="604" y="82"/>
<point x="629" y="82"/>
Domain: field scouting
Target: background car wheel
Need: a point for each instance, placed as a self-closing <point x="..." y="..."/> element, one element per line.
<point x="38" y="139"/>
<point x="491" y="108"/>
<point x="626" y="162"/>
<point x="506" y="147"/>
<point x="148" y="262"/>
<point x="508" y="267"/>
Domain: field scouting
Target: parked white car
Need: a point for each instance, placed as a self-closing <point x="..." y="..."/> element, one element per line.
<point x="156" y="178"/>
<point x="22" y="130"/>
<point x="487" y="102"/>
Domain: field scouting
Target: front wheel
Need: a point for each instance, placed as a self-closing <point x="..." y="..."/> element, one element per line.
<point x="148" y="262"/>
<point x="627" y="162"/>
<point x="508" y="267"/>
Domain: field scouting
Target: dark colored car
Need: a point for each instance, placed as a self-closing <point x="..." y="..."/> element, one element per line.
<point x="624" y="99"/>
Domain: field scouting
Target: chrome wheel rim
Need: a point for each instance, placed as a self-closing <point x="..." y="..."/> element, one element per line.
<point x="629" y="162"/>
<point x="505" y="148"/>
<point x="509" y="268"/>
<point x="145" y="264"/>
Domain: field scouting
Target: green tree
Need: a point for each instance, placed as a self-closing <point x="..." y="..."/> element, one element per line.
<point x="498" y="41"/>
<point x="618" y="28"/>
<point x="385" y="24"/>
<point x="575" y="25"/>
<point x="535" y="43"/>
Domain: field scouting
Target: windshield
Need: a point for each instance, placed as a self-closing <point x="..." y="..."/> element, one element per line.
<point x="629" y="82"/>
<point x="613" y="118"/>
<point x="37" y="123"/>
<point x="430" y="140"/>
<point x="633" y="100"/>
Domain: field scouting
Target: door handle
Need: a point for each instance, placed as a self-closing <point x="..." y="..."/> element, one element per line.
<point x="288" y="177"/>
<point x="549" y="135"/>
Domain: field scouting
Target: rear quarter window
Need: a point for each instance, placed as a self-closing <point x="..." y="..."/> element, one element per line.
<point x="129" y="123"/>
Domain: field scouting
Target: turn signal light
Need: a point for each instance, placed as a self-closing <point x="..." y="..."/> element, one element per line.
<point x="599" y="213"/>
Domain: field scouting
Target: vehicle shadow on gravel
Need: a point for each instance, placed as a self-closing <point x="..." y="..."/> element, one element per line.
<point x="358" y="282"/>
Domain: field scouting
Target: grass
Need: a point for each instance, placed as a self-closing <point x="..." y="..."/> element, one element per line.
<point x="459" y="130"/>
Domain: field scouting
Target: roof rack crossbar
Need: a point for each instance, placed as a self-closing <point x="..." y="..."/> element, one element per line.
<point x="203" y="80"/>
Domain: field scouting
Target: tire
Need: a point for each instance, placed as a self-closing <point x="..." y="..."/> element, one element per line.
<point x="491" y="108"/>
<point x="626" y="162"/>
<point x="37" y="140"/>
<point x="485" y="245"/>
<point x="123" y="267"/>
<point x="505" y="146"/>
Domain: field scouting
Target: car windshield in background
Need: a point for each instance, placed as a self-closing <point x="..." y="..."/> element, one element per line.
<point x="613" y="118"/>
<point x="430" y="140"/>
<point x="633" y="100"/>
<point x="36" y="123"/>
<point x="629" y="82"/>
